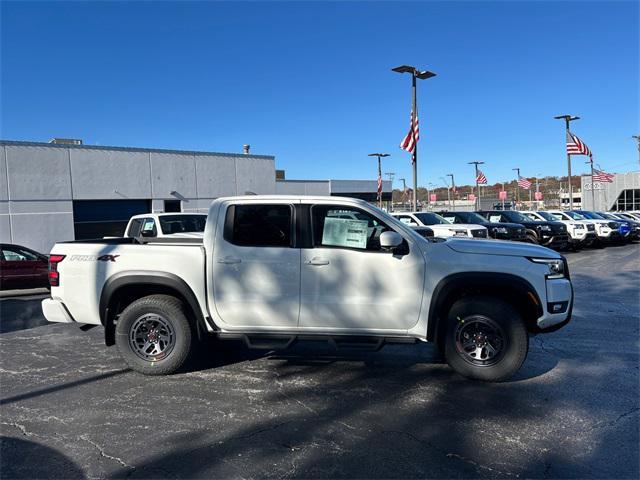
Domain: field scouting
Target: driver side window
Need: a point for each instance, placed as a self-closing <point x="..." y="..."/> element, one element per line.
<point x="346" y="227"/>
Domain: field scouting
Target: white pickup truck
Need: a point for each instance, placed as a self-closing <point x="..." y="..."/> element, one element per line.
<point x="272" y="270"/>
<point x="159" y="225"/>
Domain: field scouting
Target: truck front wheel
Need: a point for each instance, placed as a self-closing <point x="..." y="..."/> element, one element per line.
<point x="486" y="339"/>
<point x="153" y="335"/>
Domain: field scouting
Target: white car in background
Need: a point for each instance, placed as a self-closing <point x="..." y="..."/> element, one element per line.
<point x="604" y="231"/>
<point x="166" y="225"/>
<point x="440" y="226"/>
<point x="582" y="233"/>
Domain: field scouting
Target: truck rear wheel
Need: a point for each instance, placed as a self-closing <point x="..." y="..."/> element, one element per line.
<point x="153" y="335"/>
<point x="486" y="339"/>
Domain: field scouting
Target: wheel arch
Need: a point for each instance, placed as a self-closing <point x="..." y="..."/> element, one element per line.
<point x="515" y="290"/>
<point x="125" y="287"/>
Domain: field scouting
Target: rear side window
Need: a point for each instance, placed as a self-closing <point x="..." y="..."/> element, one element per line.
<point x="134" y="229"/>
<point x="17" y="255"/>
<point x="259" y="225"/>
<point x="149" y="227"/>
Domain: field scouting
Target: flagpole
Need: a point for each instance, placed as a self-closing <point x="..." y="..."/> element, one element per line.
<point x="415" y="146"/>
<point x="593" y="192"/>
<point x="517" y="186"/>
<point x="477" y="202"/>
<point x="567" y="119"/>
<point x="422" y="75"/>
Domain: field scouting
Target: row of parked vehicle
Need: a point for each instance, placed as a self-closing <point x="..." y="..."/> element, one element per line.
<point x="555" y="229"/>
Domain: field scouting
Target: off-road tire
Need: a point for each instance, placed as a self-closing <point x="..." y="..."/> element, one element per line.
<point x="173" y="313"/>
<point x="503" y="315"/>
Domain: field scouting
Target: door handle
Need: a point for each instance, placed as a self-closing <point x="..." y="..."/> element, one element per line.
<point x="317" y="261"/>
<point x="229" y="260"/>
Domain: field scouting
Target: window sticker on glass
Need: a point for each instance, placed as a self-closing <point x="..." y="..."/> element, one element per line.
<point x="148" y="225"/>
<point x="494" y="218"/>
<point x="343" y="232"/>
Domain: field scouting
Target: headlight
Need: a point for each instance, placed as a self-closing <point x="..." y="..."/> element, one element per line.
<point x="500" y="230"/>
<point x="555" y="265"/>
<point x="579" y="226"/>
<point x="545" y="228"/>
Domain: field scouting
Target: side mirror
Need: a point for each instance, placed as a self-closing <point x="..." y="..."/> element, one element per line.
<point x="390" y="240"/>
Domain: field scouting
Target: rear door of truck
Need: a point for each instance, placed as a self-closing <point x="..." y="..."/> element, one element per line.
<point x="256" y="265"/>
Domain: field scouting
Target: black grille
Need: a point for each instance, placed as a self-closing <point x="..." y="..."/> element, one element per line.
<point x="591" y="227"/>
<point x="559" y="229"/>
<point x="479" y="233"/>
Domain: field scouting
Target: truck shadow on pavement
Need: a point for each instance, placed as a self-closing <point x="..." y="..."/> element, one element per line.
<point x="24" y="459"/>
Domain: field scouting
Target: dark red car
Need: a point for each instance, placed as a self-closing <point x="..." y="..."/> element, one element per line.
<point x="21" y="267"/>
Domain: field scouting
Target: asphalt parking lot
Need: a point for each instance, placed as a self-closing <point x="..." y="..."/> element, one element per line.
<point x="70" y="408"/>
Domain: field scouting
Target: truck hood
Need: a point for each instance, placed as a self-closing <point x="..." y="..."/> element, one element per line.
<point x="500" y="247"/>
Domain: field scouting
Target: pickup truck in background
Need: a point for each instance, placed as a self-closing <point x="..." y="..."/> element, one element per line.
<point x="274" y="270"/>
<point x="549" y="234"/>
<point x="159" y="225"/>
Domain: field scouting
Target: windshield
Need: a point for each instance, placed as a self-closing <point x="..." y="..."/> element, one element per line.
<point x="547" y="216"/>
<point x="428" y="218"/>
<point x="592" y="215"/>
<point x="182" y="223"/>
<point x="515" y="217"/>
<point x="471" y="217"/>
<point x="608" y="216"/>
<point x="574" y="215"/>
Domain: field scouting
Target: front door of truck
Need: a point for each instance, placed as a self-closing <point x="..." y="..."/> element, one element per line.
<point x="256" y="268"/>
<point x="348" y="282"/>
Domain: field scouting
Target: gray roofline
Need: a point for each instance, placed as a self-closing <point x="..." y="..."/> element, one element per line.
<point x="19" y="143"/>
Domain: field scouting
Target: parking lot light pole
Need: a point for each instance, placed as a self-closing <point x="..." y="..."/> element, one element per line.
<point x="475" y="164"/>
<point x="502" y="188"/>
<point x="568" y="119"/>
<point x="379" y="155"/>
<point x="453" y="191"/>
<point x="593" y="195"/>
<point x="637" y="139"/>
<point x="404" y="189"/>
<point x="422" y="75"/>
<point x="391" y="175"/>
<point x="446" y="184"/>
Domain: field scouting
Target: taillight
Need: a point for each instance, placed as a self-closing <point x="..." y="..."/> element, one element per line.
<point x="54" y="275"/>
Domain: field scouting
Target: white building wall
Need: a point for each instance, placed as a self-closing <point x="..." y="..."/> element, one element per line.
<point x="303" y="187"/>
<point x="38" y="183"/>
<point x="39" y="196"/>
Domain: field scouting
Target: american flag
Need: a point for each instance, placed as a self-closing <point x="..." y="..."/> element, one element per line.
<point x="379" y="187"/>
<point x="524" y="183"/>
<point x="575" y="146"/>
<point x="600" y="176"/>
<point x="411" y="139"/>
<point x="480" y="178"/>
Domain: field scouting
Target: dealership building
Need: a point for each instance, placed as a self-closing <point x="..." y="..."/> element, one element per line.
<point x="64" y="190"/>
<point x="623" y="193"/>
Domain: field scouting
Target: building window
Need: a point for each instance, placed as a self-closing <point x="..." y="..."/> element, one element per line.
<point x="628" y="199"/>
<point x="172" y="206"/>
<point x="105" y="218"/>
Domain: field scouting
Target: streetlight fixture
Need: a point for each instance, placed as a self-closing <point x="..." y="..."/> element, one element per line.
<point x="379" y="155"/>
<point x="422" y="75"/>
<point x="568" y="119"/>
<point x="475" y="164"/>
<point x="446" y="184"/>
<point x="453" y="191"/>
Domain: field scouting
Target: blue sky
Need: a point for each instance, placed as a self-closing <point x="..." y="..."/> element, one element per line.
<point x="311" y="83"/>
